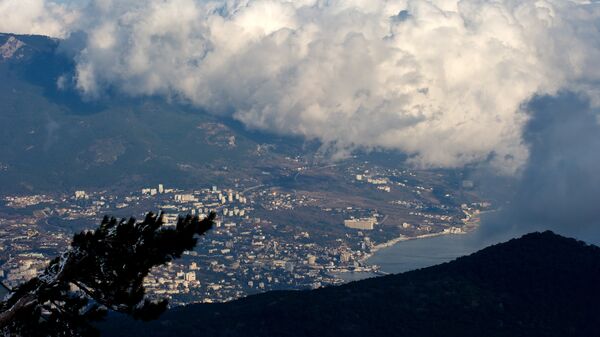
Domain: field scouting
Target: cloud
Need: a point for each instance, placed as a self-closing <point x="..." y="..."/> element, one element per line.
<point x="443" y="81"/>
<point x="36" y="17"/>
<point x="560" y="184"/>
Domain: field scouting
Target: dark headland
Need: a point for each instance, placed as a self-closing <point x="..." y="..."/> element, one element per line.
<point x="541" y="284"/>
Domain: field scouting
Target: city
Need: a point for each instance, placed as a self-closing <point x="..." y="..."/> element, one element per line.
<point x="253" y="248"/>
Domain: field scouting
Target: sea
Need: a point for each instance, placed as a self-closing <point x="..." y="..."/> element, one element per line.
<point x="425" y="252"/>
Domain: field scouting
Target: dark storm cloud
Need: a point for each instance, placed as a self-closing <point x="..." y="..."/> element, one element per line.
<point x="560" y="186"/>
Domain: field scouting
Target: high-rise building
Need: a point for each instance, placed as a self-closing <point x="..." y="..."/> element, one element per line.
<point x="185" y="198"/>
<point x="468" y="184"/>
<point x="345" y="257"/>
<point x="161" y="188"/>
<point x="81" y="195"/>
<point x="365" y="224"/>
<point x="190" y="276"/>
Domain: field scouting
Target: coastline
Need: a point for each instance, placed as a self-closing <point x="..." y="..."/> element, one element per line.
<point x="403" y="238"/>
<point x="355" y="275"/>
<point x="369" y="269"/>
<point x="471" y="223"/>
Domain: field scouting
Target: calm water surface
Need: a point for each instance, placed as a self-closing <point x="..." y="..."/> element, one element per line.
<point x="421" y="253"/>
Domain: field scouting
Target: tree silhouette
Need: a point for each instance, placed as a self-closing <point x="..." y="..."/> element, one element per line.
<point x="103" y="270"/>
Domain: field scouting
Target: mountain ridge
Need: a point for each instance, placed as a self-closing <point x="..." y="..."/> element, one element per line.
<point x="113" y="140"/>
<point x="541" y="284"/>
<point x="60" y="140"/>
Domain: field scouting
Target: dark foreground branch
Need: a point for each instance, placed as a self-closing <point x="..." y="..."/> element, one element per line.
<point x="103" y="270"/>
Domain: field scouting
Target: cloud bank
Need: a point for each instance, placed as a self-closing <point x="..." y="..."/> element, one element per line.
<point x="443" y="81"/>
<point x="560" y="183"/>
<point x="36" y="17"/>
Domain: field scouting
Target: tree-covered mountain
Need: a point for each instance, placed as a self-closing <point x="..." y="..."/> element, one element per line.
<point x="541" y="284"/>
<point x="53" y="138"/>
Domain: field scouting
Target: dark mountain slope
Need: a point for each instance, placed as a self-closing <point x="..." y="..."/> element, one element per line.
<point x="53" y="139"/>
<point x="539" y="285"/>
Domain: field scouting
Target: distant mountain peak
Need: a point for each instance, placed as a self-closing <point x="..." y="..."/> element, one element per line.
<point x="10" y="48"/>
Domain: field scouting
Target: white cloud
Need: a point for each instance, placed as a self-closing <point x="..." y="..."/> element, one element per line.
<point x="441" y="80"/>
<point x="35" y="17"/>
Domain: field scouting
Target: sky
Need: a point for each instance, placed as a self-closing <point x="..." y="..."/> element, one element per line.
<point x="560" y="184"/>
<point x="443" y="81"/>
<point x="450" y="83"/>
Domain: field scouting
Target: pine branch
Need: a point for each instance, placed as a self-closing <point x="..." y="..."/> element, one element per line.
<point x="23" y="303"/>
<point x="108" y="266"/>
